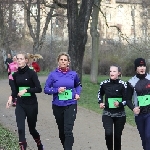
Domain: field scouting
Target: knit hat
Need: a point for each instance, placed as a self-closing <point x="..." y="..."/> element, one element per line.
<point x="139" y="62"/>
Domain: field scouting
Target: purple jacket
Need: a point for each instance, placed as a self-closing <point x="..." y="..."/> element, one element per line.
<point x="58" y="79"/>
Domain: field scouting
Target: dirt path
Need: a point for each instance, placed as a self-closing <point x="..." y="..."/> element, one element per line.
<point x="88" y="129"/>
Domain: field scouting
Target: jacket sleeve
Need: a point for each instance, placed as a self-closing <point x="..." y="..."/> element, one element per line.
<point x="124" y="94"/>
<point x="130" y="91"/>
<point x="49" y="89"/>
<point x="77" y="85"/>
<point x="15" y="89"/>
<point x="101" y="93"/>
<point x="37" y="87"/>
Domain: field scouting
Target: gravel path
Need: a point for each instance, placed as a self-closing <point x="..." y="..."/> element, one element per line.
<point x="88" y="129"/>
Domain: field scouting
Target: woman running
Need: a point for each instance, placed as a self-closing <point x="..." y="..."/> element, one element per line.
<point x="114" y="116"/>
<point x="65" y="86"/>
<point x="12" y="67"/>
<point x="138" y="88"/>
<point x="26" y="85"/>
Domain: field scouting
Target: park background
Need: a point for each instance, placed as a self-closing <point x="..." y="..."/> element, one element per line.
<point x="96" y="34"/>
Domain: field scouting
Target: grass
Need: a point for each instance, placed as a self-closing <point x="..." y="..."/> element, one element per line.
<point x="89" y="97"/>
<point x="8" y="140"/>
<point x="43" y="73"/>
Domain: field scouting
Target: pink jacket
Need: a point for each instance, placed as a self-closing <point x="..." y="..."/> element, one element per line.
<point x="13" y="67"/>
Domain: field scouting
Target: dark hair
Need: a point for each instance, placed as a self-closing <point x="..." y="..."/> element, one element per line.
<point x="119" y="69"/>
<point x="61" y="54"/>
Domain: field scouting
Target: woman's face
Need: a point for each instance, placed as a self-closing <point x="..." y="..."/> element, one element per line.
<point x="63" y="61"/>
<point x="21" y="60"/>
<point x="114" y="73"/>
<point x="141" y="70"/>
<point x="14" y="59"/>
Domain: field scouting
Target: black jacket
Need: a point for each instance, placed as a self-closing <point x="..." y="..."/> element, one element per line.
<point x="26" y="77"/>
<point x="139" y="85"/>
<point x="112" y="89"/>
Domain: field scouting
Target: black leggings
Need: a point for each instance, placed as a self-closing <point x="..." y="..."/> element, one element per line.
<point x="65" y="117"/>
<point x="118" y="123"/>
<point x="30" y="111"/>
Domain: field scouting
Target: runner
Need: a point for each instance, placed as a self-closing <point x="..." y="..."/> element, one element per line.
<point x="26" y="85"/>
<point x="139" y="87"/>
<point x="113" y="114"/>
<point x="8" y="60"/>
<point x="12" y="67"/>
<point x="32" y="61"/>
<point x="65" y="86"/>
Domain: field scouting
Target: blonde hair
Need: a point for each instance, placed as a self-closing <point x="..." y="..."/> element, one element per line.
<point x="23" y="53"/>
<point x="61" y="54"/>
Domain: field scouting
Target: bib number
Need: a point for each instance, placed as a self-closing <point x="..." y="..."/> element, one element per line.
<point x="112" y="100"/>
<point x="25" y="94"/>
<point x="66" y="95"/>
<point x="31" y="68"/>
<point x="144" y="100"/>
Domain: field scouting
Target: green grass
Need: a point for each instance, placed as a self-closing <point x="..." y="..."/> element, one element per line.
<point x="89" y="97"/>
<point x="8" y="140"/>
<point x="43" y="73"/>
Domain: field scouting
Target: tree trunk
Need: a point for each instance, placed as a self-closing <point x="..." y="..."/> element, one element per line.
<point x="37" y="34"/>
<point x="9" y="34"/>
<point x="95" y="42"/>
<point x="1" y="23"/>
<point x="77" y="29"/>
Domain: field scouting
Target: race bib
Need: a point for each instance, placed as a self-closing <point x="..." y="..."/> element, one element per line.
<point x="31" y="67"/>
<point x="144" y="100"/>
<point x="112" y="100"/>
<point x="66" y="95"/>
<point x="25" y="94"/>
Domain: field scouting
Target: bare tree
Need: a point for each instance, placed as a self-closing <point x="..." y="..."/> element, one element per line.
<point x="78" y="20"/>
<point x="1" y="22"/>
<point x="4" y="38"/>
<point x="95" y="41"/>
<point x="35" y="33"/>
<point x="77" y="29"/>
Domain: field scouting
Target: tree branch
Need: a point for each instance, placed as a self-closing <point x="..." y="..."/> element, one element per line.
<point x="60" y="4"/>
<point x="47" y="5"/>
<point x="28" y="9"/>
<point x="48" y="18"/>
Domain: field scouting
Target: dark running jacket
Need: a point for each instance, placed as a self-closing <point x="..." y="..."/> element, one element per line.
<point x="27" y="78"/>
<point x="112" y="89"/>
<point x="139" y="85"/>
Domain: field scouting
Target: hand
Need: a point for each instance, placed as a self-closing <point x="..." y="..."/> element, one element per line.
<point x="136" y="110"/>
<point x="77" y="97"/>
<point x="116" y="104"/>
<point x="61" y="89"/>
<point x="8" y="104"/>
<point x="22" y="92"/>
<point x="102" y="105"/>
